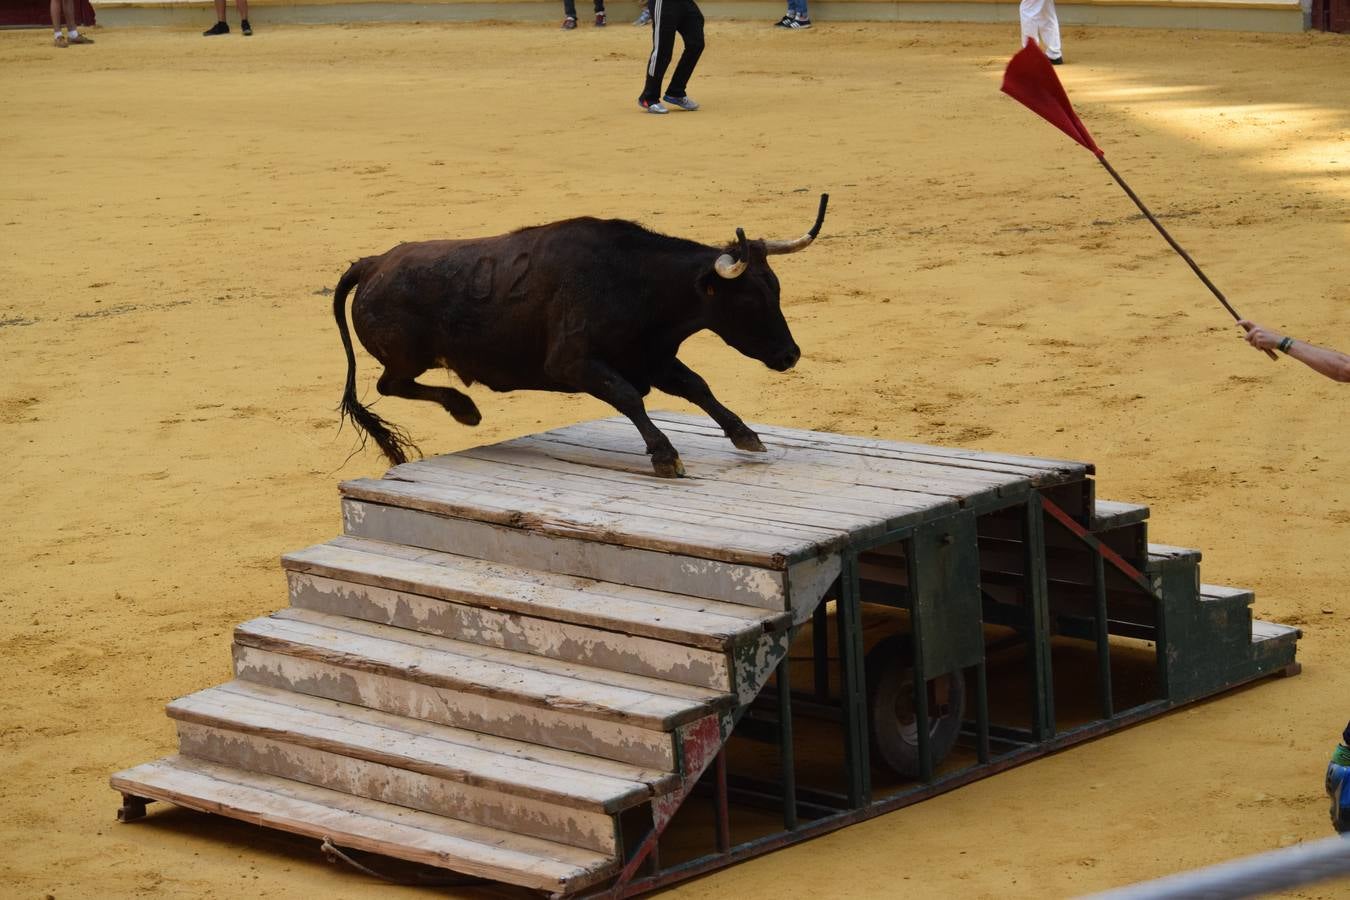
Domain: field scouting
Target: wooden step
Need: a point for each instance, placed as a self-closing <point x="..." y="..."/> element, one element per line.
<point x="514" y="695"/>
<point x="367" y="825"/>
<point x="660" y="615"/>
<point x="765" y="587"/>
<point x="1217" y="593"/>
<point x="1108" y="514"/>
<point x="1273" y="631"/>
<point x="1164" y="554"/>
<point x="401" y="761"/>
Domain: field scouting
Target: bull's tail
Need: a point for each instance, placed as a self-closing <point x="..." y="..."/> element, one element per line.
<point x="391" y="439"/>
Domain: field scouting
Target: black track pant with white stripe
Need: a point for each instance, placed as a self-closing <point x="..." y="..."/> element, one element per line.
<point x="669" y="18"/>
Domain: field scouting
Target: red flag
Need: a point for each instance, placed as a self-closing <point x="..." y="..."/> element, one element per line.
<point x="1030" y="80"/>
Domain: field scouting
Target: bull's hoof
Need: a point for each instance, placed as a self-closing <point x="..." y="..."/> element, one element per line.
<point x="748" y="440"/>
<point x="669" y="468"/>
<point x="467" y="416"/>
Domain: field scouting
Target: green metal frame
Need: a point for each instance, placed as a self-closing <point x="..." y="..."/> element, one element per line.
<point x="940" y="565"/>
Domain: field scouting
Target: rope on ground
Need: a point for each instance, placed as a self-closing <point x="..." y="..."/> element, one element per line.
<point x="333" y="854"/>
<point x="1249" y="877"/>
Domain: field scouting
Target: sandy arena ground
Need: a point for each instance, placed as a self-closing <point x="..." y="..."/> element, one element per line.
<point x="175" y="213"/>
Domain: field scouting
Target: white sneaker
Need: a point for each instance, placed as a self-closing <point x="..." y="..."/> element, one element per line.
<point x="655" y="108"/>
<point x="681" y="102"/>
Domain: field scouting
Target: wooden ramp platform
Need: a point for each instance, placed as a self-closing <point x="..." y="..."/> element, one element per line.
<point x="520" y="661"/>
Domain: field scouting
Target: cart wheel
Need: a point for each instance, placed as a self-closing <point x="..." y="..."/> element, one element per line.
<point x="890" y="707"/>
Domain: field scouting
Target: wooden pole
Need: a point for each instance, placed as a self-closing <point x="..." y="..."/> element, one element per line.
<point x="1175" y="246"/>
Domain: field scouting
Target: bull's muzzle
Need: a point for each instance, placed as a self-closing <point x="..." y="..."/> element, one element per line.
<point x="786" y="360"/>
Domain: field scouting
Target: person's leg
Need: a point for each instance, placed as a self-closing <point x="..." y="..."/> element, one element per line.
<point x="1028" y="12"/>
<point x="663" y="45"/>
<point x="58" y="38"/>
<point x="1049" y="28"/>
<point x="220" y="10"/>
<point x="690" y="28"/>
<point x="72" y="23"/>
<point x="569" y="9"/>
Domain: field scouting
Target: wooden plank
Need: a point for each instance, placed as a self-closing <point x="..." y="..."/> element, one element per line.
<point x="403" y="659"/>
<point x="660" y="599"/>
<point x="707" y="539"/>
<point x="346" y="731"/>
<point x="877" y="464"/>
<point x="552" y="727"/>
<point x="666" y="499"/>
<point x="1014" y="461"/>
<point x="658" y="781"/>
<point x="513" y="631"/>
<point x="508" y="659"/>
<point x="1232" y="594"/>
<point x="1267" y="631"/>
<point x="476" y="586"/>
<point x="804" y="462"/>
<point x="1111" y="514"/>
<point x="366" y="824"/>
<point x="793" y="502"/>
<point x="728" y="582"/>
<point x="775" y="469"/>
<point x="386" y="783"/>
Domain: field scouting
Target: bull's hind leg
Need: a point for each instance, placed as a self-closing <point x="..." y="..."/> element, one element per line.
<point x="681" y="381"/>
<point x="459" y="405"/>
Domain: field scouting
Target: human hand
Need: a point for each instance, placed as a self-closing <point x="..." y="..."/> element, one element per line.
<point x="1259" y="337"/>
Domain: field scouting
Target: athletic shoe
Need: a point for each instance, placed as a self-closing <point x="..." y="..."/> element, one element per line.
<point x="685" y="103"/>
<point x="800" y="23"/>
<point x="600" y="19"/>
<point x="652" y="106"/>
<point x="60" y="41"/>
<point x="81" y="39"/>
<point x="785" y="22"/>
<point x="218" y="28"/>
<point x="1056" y="60"/>
<point x="644" y="17"/>
<point x="246" y="28"/>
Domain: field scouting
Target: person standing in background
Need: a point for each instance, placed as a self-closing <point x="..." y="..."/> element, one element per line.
<point x="796" y="16"/>
<point x="1040" y="23"/>
<point x="644" y="14"/>
<point x="671" y="17"/>
<point x="73" y="36"/>
<point x="223" y="27"/>
<point x="570" y="14"/>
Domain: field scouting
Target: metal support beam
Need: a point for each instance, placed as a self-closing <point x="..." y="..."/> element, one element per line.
<point x="820" y="649"/>
<point x="720" y="796"/>
<point x="922" y="733"/>
<point x="1037" y="591"/>
<point x="1103" y="637"/>
<point x="853" y="683"/>
<point x="786" y="755"/>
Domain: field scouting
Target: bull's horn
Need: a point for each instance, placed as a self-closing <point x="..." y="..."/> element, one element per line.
<point x="773" y="247"/>
<point x="727" y="265"/>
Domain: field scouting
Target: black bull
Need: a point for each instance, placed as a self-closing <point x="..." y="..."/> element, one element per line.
<point x="584" y="305"/>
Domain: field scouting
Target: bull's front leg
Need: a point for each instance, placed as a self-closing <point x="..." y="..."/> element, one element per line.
<point x="681" y="381"/>
<point x="600" y="381"/>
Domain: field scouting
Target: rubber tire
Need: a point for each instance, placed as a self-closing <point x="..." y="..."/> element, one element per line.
<point x="888" y="669"/>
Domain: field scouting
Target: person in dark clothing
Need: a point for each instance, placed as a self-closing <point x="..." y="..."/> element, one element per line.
<point x="669" y="18"/>
<point x="1338" y="784"/>
<point x="570" y="14"/>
